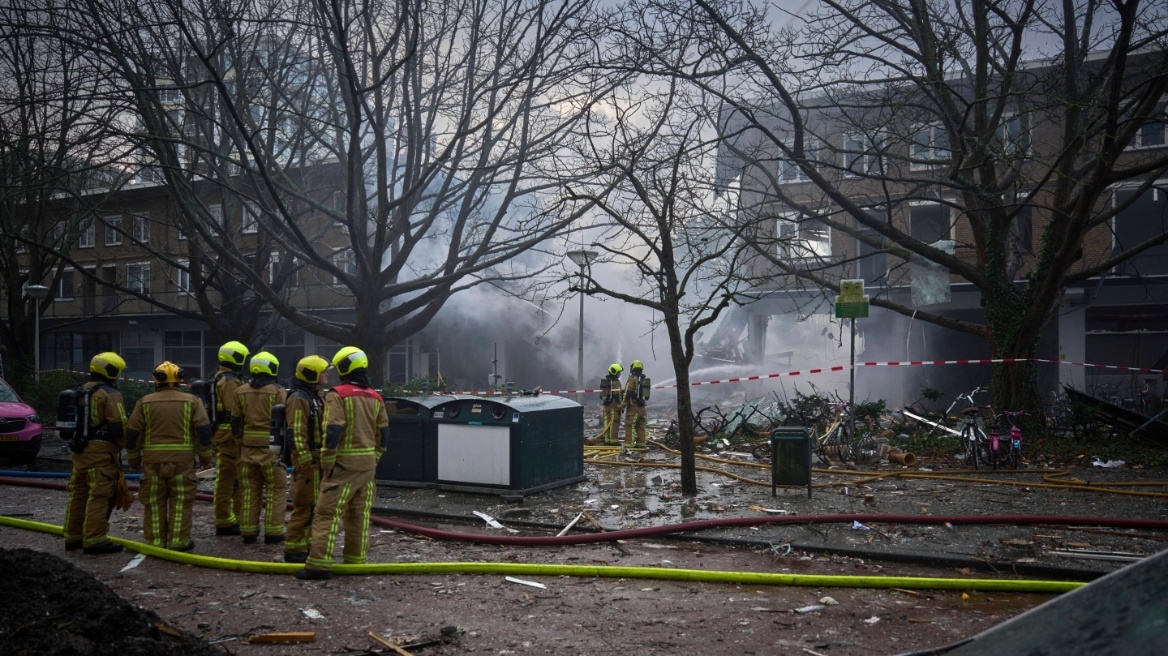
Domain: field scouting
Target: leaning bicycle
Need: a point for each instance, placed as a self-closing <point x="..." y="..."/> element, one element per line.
<point x="835" y="444"/>
<point x="974" y="439"/>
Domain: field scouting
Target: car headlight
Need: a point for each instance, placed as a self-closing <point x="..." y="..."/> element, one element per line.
<point x="34" y="418"/>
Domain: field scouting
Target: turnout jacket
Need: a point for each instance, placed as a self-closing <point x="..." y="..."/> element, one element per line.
<point x="356" y="425"/>
<point x="304" y="414"/>
<point x="254" y="402"/>
<point x="168" y="426"/>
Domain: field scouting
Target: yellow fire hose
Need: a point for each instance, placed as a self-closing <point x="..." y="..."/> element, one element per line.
<point x="589" y="571"/>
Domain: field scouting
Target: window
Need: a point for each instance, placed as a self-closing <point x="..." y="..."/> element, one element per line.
<point x="138" y="277"/>
<point x="138" y="352"/>
<point x="789" y="170"/>
<point x="65" y="289"/>
<point x="930" y="144"/>
<point x="1024" y="230"/>
<point x="802" y="238"/>
<point x="113" y="230"/>
<point x="182" y="276"/>
<point x="182" y="347"/>
<point x="170" y="95"/>
<point x="141" y="228"/>
<point x="87" y="236"/>
<point x="929" y="222"/>
<point x="273" y="267"/>
<point x="1152" y="133"/>
<point x="861" y="155"/>
<point x="1014" y="134"/>
<point x="873" y="265"/>
<point x="1144" y="217"/>
<point x="249" y="221"/>
<point x="344" y="261"/>
<point x="216" y="214"/>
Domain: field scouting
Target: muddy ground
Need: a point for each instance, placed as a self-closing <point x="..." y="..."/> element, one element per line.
<point x="454" y="614"/>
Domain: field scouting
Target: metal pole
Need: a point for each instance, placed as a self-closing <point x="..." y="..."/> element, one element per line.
<point x="580" y="352"/>
<point x="852" y="387"/>
<point x="36" y="312"/>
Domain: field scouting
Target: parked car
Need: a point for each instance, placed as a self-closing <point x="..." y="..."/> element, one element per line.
<point x="20" y="426"/>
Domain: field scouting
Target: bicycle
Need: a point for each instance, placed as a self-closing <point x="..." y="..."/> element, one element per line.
<point x="1013" y="450"/>
<point x="973" y="436"/>
<point x="835" y="444"/>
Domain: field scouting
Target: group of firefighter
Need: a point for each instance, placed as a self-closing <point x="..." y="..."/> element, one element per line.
<point x="255" y="429"/>
<point x="628" y="398"/>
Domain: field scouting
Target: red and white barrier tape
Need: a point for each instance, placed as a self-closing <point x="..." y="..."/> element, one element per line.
<point x="806" y="372"/>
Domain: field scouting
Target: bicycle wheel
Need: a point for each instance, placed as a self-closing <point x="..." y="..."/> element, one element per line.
<point x="866" y="450"/>
<point x="969" y="442"/>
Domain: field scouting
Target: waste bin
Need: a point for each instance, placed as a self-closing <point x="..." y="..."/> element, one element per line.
<point x="510" y="446"/>
<point x="410" y="430"/>
<point x="791" y="458"/>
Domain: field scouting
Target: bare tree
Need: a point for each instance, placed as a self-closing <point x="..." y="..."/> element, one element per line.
<point x="1002" y="112"/>
<point x="396" y="152"/>
<point x="54" y="141"/>
<point x="667" y="223"/>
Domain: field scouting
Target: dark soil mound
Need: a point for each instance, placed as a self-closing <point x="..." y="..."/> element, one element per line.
<point x="48" y="606"/>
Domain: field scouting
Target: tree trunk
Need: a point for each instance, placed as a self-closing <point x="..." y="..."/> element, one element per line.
<point x="685" y="425"/>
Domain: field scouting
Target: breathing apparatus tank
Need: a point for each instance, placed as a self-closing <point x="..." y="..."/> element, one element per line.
<point x="202" y="390"/>
<point x="277" y="433"/>
<point x="67" y="410"/>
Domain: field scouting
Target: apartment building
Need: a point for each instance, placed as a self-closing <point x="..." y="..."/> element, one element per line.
<point x="891" y="164"/>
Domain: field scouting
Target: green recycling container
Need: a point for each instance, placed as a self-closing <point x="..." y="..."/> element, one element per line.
<point x="791" y="458"/>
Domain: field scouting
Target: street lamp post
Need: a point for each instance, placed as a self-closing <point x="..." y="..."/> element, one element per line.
<point x="38" y="293"/>
<point x="581" y="258"/>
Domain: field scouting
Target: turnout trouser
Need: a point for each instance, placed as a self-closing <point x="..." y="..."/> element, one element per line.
<point x="345" y="501"/>
<point x="265" y="486"/>
<point x="635" y="425"/>
<point x="304" y="490"/>
<point x="92" y="492"/>
<point x="167" y="491"/>
<point x="612" y="418"/>
<point x="228" y="494"/>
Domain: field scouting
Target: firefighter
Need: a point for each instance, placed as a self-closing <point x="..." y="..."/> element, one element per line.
<point x="356" y="435"/>
<point x="611" y="398"/>
<point x="228" y="494"/>
<point x="261" y="474"/>
<point x="303" y="413"/>
<point x="636" y="395"/>
<point x="97" y="464"/>
<point x="167" y="428"/>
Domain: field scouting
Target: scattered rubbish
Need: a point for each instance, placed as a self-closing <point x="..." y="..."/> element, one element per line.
<point x="828" y="601"/>
<point x="778" y="550"/>
<point x="389" y="645"/>
<point x="533" y="584"/>
<point x="869" y="498"/>
<point x="1110" y="464"/>
<point x="778" y="511"/>
<point x="810" y="609"/>
<point x="656" y="480"/>
<point x="920" y="620"/>
<point x="167" y="630"/>
<point x="492" y="523"/>
<point x="570" y="525"/>
<point x="134" y="562"/>
<point x="296" y="636"/>
<point x="860" y="527"/>
<point x="1085" y="554"/>
<point x="312" y="613"/>
<point x="872" y="620"/>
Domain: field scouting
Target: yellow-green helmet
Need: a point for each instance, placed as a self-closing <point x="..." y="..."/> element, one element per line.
<point x="310" y="368"/>
<point x="264" y="363"/>
<point x="350" y="359"/>
<point x="636" y="366"/>
<point x="169" y="373"/>
<point x="233" y="353"/>
<point x="108" y="365"/>
<point x="615" y="369"/>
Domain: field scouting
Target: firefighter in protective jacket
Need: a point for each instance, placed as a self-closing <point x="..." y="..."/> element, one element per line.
<point x="636" y="395"/>
<point x="356" y="435"/>
<point x="303" y="413"/>
<point x="167" y="428"/>
<point x="228" y="493"/>
<point x="261" y="474"/>
<point x="612" y="400"/>
<point x="97" y="459"/>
